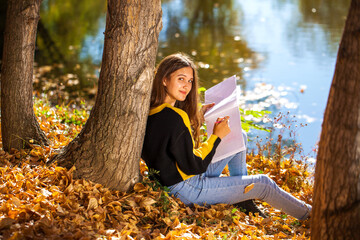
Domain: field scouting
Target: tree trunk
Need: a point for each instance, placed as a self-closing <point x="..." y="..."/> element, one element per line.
<point x="18" y="121"/>
<point x="108" y="148"/>
<point x="336" y="212"/>
<point x="3" y="8"/>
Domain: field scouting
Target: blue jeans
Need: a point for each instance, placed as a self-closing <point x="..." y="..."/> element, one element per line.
<point x="210" y="188"/>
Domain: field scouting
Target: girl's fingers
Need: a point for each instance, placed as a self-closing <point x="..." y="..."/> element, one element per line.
<point x="219" y="120"/>
<point x="223" y="119"/>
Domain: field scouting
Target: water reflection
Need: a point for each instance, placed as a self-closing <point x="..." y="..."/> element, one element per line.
<point x="67" y="23"/>
<point x="318" y="19"/>
<point x="63" y="29"/>
<point x="205" y="30"/>
<point x="300" y="44"/>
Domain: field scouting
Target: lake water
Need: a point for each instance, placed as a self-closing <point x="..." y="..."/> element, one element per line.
<point x="286" y="51"/>
<point x="299" y="40"/>
<point x="283" y="51"/>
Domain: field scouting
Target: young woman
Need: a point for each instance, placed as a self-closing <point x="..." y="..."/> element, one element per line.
<point x="172" y="147"/>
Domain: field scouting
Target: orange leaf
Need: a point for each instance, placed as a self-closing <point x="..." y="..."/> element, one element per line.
<point x="139" y="187"/>
<point x="282" y="235"/>
<point x="6" y="223"/>
<point x="13" y="214"/>
<point x="16" y="201"/>
<point x="92" y="204"/>
<point x="248" y="188"/>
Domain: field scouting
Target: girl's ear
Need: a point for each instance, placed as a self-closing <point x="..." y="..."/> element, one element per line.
<point x="164" y="81"/>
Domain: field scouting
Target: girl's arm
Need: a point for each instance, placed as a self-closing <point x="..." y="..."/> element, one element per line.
<point x="193" y="161"/>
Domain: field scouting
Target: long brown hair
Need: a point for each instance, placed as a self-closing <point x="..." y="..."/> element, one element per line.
<point x="165" y="68"/>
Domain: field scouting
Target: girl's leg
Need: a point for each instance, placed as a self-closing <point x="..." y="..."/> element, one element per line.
<point x="236" y="163"/>
<point x="204" y="190"/>
<point x="215" y="169"/>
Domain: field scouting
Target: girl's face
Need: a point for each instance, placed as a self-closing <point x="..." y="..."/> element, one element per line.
<point x="179" y="85"/>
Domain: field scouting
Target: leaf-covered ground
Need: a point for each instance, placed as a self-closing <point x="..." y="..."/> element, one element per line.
<point x="45" y="202"/>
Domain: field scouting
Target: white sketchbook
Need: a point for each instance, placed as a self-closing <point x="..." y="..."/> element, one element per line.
<point x="225" y="96"/>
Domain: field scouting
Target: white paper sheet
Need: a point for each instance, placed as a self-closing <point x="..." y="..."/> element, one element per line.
<point x="225" y="96"/>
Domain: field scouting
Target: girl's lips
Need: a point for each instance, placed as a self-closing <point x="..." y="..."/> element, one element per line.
<point x="183" y="92"/>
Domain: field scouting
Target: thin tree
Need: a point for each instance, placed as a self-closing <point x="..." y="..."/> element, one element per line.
<point x="18" y="121"/>
<point x="108" y="148"/>
<point x="336" y="212"/>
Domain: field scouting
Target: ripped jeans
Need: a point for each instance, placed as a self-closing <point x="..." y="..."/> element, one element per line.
<point x="210" y="188"/>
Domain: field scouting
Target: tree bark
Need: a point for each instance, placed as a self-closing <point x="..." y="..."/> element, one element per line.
<point x="108" y="148"/>
<point x="336" y="212"/>
<point x="18" y="121"/>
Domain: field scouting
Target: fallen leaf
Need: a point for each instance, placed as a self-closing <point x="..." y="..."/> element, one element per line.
<point x="139" y="187"/>
<point x="16" y="201"/>
<point x="93" y="204"/>
<point x="147" y="202"/>
<point x="45" y="200"/>
<point x="45" y="192"/>
<point x="6" y="223"/>
<point x="248" y="188"/>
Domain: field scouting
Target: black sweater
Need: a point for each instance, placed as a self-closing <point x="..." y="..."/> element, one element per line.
<point x="169" y="146"/>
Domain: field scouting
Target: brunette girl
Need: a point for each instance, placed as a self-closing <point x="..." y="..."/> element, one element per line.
<point x="172" y="146"/>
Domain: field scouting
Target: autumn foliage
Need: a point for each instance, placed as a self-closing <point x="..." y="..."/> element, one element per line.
<point x="45" y="202"/>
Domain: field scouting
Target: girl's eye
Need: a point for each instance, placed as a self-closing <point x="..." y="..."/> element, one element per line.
<point x="190" y="81"/>
<point x="181" y="79"/>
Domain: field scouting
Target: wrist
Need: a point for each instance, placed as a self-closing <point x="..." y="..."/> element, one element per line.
<point x="218" y="135"/>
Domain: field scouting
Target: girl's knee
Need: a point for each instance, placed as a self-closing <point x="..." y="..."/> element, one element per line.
<point x="265" y="179"/>
<point x="265" y="185"/>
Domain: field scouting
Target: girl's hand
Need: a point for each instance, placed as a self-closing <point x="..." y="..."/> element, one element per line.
<point x="204" y="109"/>
<point x="221" y="127"/>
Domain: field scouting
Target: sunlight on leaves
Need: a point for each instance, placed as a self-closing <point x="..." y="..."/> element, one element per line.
<point x="46" y="202"/>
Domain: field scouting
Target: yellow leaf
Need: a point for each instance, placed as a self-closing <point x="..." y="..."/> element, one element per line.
<point x="286" y="227"/>
<point x="34" y="153"/>
<point x="78" y="219"/>
<point x="266" y="221"/>
<point x="45" y="192"/>
<point x="139" y="187"/>
<point x="167" y="221"/>
<point x="56" y="194"/>
<point x="248" y="188"/>
<point x="210" y="213"/>
<point x="114" y="203"/>
<point x="59" y="169"/>
<point x="69" y="189"/>
<point x="93" y="203"/>
<point x="282" y="235"/>
<point x="19" y="177"/>
<point x="16" y="201"/>
<point x="147" y="202"/>
<point x="13" y="214"/>
<point x="60" y="210"/>
<point x="189" y="211"/>
<point x="175" y="223"/>
<point x="131" y="202"/>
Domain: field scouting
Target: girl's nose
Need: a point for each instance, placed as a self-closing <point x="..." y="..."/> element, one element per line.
<point x="188" y="85"/>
